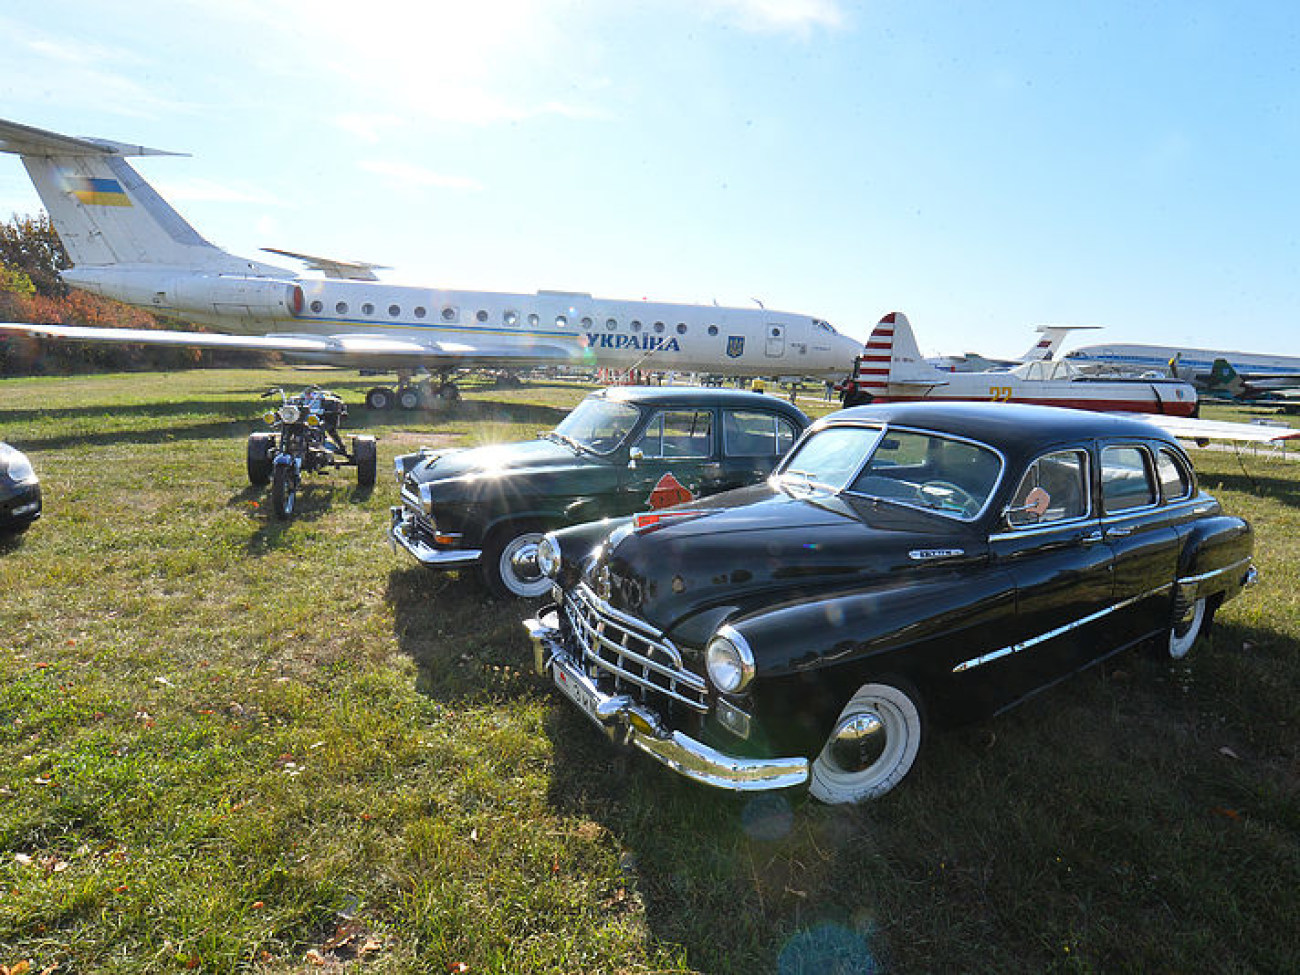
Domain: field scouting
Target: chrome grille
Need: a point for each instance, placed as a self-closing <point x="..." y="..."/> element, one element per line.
<point x="635" y="657"/>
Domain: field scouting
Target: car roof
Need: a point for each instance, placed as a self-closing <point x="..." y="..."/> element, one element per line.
<point x="700" y="396"/>
<point x="1002" y="424"/>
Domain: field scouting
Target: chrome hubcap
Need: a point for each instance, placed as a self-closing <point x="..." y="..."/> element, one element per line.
<point x="859" y="741"/>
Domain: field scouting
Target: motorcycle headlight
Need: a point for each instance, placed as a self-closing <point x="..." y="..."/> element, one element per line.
<point x="548" y="556"/>
<point x="288" y="413"/>
<point x="729" y="661"/>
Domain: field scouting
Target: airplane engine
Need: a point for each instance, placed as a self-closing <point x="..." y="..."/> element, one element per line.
<point x="209" y="296"/>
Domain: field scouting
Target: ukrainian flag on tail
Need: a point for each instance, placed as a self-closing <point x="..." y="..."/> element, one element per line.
<point x="98" y="191"/>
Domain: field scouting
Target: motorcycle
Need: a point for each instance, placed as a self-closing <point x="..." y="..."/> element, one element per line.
<point x="306" y="440"/>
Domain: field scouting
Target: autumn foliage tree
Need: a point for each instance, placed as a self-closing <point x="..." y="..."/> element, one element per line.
<point x="31" y="257"/>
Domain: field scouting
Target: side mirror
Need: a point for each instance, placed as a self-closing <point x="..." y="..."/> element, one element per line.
<point x="634" y="455"/>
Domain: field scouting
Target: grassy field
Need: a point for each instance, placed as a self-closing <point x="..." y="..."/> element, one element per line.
<point x="230" y="744"/>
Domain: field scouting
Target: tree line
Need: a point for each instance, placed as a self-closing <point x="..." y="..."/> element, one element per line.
<point x="31" y="256"/>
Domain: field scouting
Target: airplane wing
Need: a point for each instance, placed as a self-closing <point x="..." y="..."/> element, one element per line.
<point x="357" y="350"/>
<point x="331" y="268"/>
<point x="1193" y="428"/>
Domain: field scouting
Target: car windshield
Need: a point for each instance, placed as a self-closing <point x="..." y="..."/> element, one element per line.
<point x="598" y="424"/>
<point x="829" y="458"/>
<point x="910" y="467"/>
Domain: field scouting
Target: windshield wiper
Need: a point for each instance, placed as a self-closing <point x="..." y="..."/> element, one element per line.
<point x="565" y="439"/>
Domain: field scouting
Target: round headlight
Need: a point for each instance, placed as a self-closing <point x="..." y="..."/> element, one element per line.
<point x="548" y="556"/>
<point x="729" y="661"/>
<point x="288" y="413"/>
<point x="269" y="416"/>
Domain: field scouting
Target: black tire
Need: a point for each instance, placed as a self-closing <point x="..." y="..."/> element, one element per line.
<point x="366" y="455"/>
<point x="380" y="398"/>
<point x="509" y="561"/>
<point x="871" y="747"/>
<point x="408" y="398"/>
<point x="260" y="448"/>
<point x="284" y="491"/>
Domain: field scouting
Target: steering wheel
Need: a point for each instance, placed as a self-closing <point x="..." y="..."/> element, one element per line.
<point x="945" y="494"/>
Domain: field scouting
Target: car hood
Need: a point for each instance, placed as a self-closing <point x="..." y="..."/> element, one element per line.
<point x="744" y="549"/>
<point x="496" y="459"/>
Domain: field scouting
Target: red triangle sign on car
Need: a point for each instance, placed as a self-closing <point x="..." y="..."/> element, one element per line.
<point x="668" y="492"/>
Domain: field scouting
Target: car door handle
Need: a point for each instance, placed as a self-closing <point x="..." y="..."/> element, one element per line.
<point x="1092" y="538"/>
<point x="1118" y="532"/>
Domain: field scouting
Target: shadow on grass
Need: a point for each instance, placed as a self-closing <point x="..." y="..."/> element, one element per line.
<point x="1283" y="489"/>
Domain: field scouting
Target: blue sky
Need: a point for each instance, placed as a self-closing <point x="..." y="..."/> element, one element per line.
<point x="983" y="167"/>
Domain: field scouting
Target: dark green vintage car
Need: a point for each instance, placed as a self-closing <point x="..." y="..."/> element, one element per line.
<point x="622" y="450"/>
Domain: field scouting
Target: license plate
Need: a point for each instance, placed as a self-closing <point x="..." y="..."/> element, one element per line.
<point x="572" y="684"/>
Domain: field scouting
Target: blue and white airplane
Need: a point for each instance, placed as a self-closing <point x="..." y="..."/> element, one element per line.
<point x="127" y="243"/>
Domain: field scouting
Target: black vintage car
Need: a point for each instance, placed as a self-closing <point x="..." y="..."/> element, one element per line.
<point x="906" y="564"/>
<point x="622" y="449"/>
<point x="20" y="491"/>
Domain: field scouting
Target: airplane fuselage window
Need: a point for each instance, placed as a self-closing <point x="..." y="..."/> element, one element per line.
<point x="419" y="312"/>
<point x="659" y="326"/>
<point x="341" y="308"/>
<point x="317" y="307"/>
<point x="367" y="309"/>
<point x="533" y="319"/>
<point x="681" y="328"/>
<point x="482" y="316"/>
<point x="636" y="326"/>
<point x="713" y="330"/>
<point x="449" y="314"/>
<point x="611" y="324"/>
<point x="511" y="317"/>
<point x="586" y="323"/>
<point x="394" y="311"/>
<point x="561" y="321"/>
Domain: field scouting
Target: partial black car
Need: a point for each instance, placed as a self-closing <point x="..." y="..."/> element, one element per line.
<point x="20" y="491"/>
<point x="621" y="450"/>
<point x="908" y="566"/>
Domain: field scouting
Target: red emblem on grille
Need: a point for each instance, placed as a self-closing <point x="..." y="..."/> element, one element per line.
<point x="668" y="492"/>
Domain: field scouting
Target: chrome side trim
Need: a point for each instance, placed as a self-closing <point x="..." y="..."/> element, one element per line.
<point x="1050" y="634"/>
<point x="1236" y="566"/>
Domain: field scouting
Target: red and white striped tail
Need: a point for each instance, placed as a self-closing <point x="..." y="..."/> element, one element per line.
<point x="877" y="358"/>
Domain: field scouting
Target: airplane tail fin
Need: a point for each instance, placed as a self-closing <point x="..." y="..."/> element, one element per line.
<point x="1052" y="337"/>
<point x="104" y="211"/>
<point x="892" y="356"/>
<point x="1224" y="379"/>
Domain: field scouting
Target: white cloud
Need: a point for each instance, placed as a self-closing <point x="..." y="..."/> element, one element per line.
<point x="406" y="175"/>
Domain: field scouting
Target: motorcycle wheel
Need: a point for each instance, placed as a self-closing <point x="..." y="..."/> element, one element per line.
<point x="284" y="492"/>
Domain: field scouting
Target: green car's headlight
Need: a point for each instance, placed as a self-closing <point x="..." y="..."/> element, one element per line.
<point x="548" y="556"/>
<point x="729" y="661"/>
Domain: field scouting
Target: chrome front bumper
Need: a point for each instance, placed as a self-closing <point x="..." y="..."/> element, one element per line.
<point x="623" y="719"/>
<point x="435" y="558"/>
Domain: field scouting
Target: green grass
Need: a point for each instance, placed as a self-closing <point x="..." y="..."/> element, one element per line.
<point x="228" y="744"/>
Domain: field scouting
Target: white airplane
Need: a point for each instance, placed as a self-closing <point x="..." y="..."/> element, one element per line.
<point x="1194" y="365"/>
<point x="127" y="243"/>
<point x="1041" y="351"/>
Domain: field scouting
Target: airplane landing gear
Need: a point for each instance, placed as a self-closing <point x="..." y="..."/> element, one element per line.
<point x="412" y="396"/>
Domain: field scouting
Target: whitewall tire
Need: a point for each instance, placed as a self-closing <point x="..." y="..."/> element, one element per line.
<point x="871" y="747"/>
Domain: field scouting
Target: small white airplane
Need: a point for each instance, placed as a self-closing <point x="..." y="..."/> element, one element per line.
<point x="890" y="368"/>
<point x="1041" y="351"/>
<point x="127" y="243"/>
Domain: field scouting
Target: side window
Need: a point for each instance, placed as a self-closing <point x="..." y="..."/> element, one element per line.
<point x="748" y="433"/>
<point x="1055" y="488"/>
<point x="1125" y="480"/>
<point x="1175" y="478"/>
<point x="678" y="433"/>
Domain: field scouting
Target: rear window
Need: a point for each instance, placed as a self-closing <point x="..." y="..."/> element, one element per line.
<point x="1175" y="478"/>
<point x="749" y="433"/>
